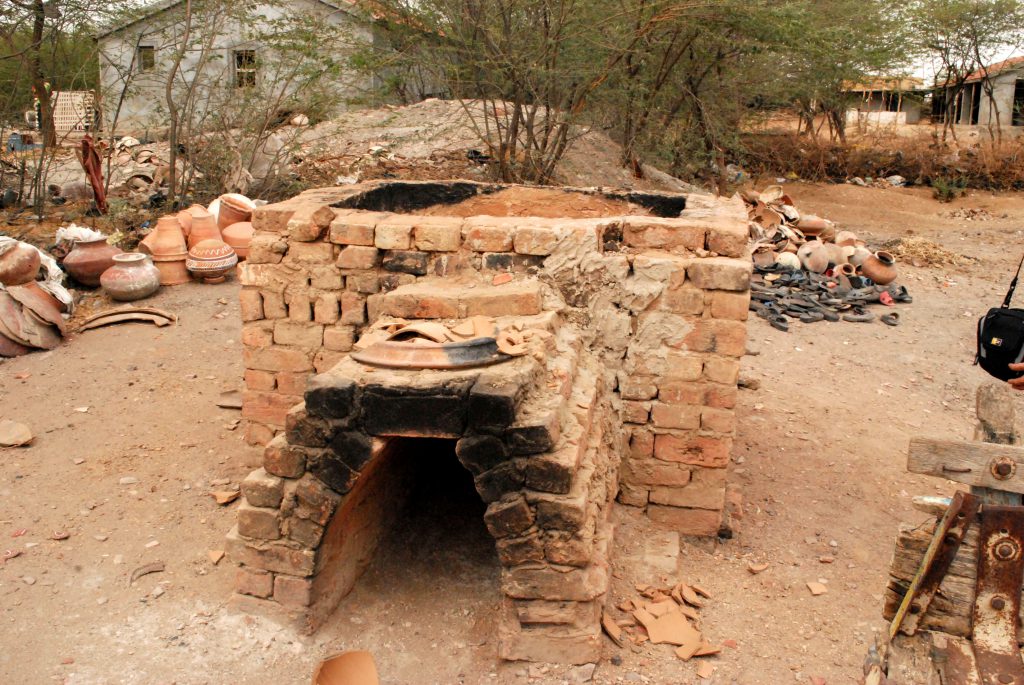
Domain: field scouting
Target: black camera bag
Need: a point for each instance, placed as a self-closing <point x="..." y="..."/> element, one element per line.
<point x="1001" y="337"/>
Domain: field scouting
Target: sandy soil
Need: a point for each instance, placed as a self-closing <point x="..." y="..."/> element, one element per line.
<point x="130" y="443"/>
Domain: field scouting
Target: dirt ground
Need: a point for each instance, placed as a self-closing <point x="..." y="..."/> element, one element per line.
<point x="130" y="442"/>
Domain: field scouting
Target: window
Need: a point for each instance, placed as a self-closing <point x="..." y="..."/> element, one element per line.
<point x="1018" y="103"/>
<point x="145" y="58"/>
<point x="245" y="68"/>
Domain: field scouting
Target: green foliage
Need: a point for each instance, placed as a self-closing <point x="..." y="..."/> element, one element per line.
<point x="948" y="188"/>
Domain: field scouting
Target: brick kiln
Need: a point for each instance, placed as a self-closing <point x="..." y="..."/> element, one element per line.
<point x="637" y="306"/>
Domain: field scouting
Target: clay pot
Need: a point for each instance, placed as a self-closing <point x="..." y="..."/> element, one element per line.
<point x="813" y="225"/>
<point x="846" y="270"/>
<point x="846" y="238"/>
<point x="132" y="277"/>
<point x="185" y="217"/>
<point x="210" y="260"/>
<point x="19" y="265"/>
<point x="204" y="227"/>
<point x="238" y="236"/>
<point x="835" y="253"/>
<point x="788" y="259"/>
<point x="814" y="256"/>
<point x="167" y="246"/>
<point x="234" y="208"/>
<point x="89" y="259"/>
<point x="860" y="253"/>
<point x="880" y="268"/>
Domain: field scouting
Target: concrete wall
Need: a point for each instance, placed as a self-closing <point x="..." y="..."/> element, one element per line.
<point x="1003" y="87"/>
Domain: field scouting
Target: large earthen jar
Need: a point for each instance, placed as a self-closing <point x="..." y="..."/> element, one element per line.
<point x="167" y="246"/>
<point x="233" y="209"/>
<point x="132" y="277"/>
<point x="89" y="259"/>
<point x="19" y="264"/>
<point x="239" y="236"/>
<point x="880" y="268"/>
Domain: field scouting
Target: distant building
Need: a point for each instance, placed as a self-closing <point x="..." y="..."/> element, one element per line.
<point x="885" y="101"/>
<point x="973" y="106"/>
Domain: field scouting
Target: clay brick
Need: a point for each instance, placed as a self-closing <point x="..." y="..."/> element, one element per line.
<point x="305" y="532"/>
<point x="388" y="412"/>
<point x="730" y="305"/>
<point x="729" y="240"/>
<point x="262" y="489"/>
<point x="330" y="397"/>
<point x="536" y="434"/>
<point x="438" y="238"/>
<point x="682" y="366"/>
<point x="258" y="523"/>
<point x="632" y="496"/>
<point x="333" y="473"/>
<point x="390" y="235"/>
<point x="267" y="407"/>
<point x="487" y="238"/>
<point x="259" y="380"/>
<point x="355" y="449"/>
<point x="516" y="551"/>
<point x="326" y="309"/>
<point x="273" y="217"/>
<point x="698" y="522"/>
<point x="354" y="229"/>
<point x="543" y="612"/>
<point x="508" y="516"/>
<point x="492" y="405"/>
<point x="533" y="240"/>
<point x="266" y="249"/>
<point x="512" y="262"/>
<point x="258" y="434"/>
<point x="271" y="557"/>
<point x="298" y="334"/>
<point x="406" y="262"/>
<point x="302" y="428"/>
<point x="696" y="450"/>
<point x="568" y="550"/>
<point x="339" y="338"/>
<point x="681" y="392"/>
<point x="641" y="444"/>
<point x="636" y="412"/>
<point x="554" y="471"/>
<point x="518" y="298"/>
<point x="368" y="283"/>
<point x="718" y="336"/>
<point x="273" y="305"/>
<point x="325" y="360"/>
<point x="655" y="472"/>
<point x="660" y="267"/>
<point x="420" y="303"/>
<point x="480" y="453"/>
<point x="289" y="383"/>
<point x="353" y="308"/>
<point x="309" y="222"/>
<point x="718" y="420"/>
<point x="315" y="501"/>
<point x="251" y="303"/>
<point x="309" y="253"/>
<point x="292" y="592"/>
<point x="686" y="300"/>
<point x="680" y="416"/>
<point x="551" y="644"/>
<point x="284" y="460"/>
<point x="706" y="490"/>
<point x="535" y="581"/>
<point x="502" y="479"/>
<point x="720" y="396"/>
<point x="358" y="257"/>
<point x="254" y="582"/>
<point x="258" y="334"/>
<point x="656" y="232"/>
<point x="720" y="273"/>
<point x="722" y="370"/>
<point x="300" y="308"/>
<point x="637" y="387"/>
<point x="277" y="359"/>
<point x="326" y="278"/>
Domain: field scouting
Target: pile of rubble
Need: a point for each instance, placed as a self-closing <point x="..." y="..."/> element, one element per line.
<point x="807" y="270"/>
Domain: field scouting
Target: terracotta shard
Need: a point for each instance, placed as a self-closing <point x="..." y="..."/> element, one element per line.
<point x="42" y="303"/>
<point x="140" y="317"/>
<point x="701" y="591"/>
<point x="611" y="629"/>
<point x="9" y="348"/>
<point x="671" y="628"/>
<point x="817" y="588"/>
<point x="38" y="332"/>
<point x="347" y="668"/>
<point x="708" y="649"/>
<point x="230" y="399"/>
<point x="706" y="670"/>
<point x="215" y="556"/>
<point x="661" y="608"/>
<point x="430" y="330"/>
<point x="690" y="596"/>
<point x="223" y="497"/>
<point x="12" y="321"/>
<point x="755" y="568"/>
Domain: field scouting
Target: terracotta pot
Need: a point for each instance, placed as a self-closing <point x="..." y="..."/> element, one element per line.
<point x="846" y="270"/>
<point x="185" y="217"/>
<point x="788" y="259"/>
<point x="132" y="277"/>
<point x="204" y="227"/>
<point x="89" y="259"/>
<point x="880" y="268"/>
<point x="814" y="256"/>
<point x="19" y="265"/>
<point x="234" y="208"/>
<point x="238" y="236"/>
<point x="860" y="254"/>
<point x="210" y="260"/>
<point x="835" y="253"/>
<point x="846" y="238"/>
<point x="168" y="248"/>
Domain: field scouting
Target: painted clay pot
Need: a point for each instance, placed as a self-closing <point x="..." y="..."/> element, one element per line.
<point x="210" y="260"/>
<point x="204" y="227"/>
<point x="168" y="249"/>
<point x="132" y="277"/>
<point x="19" y="265"/>
<point x="880" y="268"/>
<point x="234" y="208"/>
<point x="89" y="259"/>
<point x="238" y="236"/>
<point x="814" y="256"/>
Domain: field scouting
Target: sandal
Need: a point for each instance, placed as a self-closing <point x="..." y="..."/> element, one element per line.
<point x="892" y="319"/>
<point x="900" y="294"/>
<point x="779" y="322"/>
<point x="811" y="317"/>
<point x="859" y="315"/>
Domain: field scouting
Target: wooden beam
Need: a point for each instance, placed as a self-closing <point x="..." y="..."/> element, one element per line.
<point x="968" y="462"/>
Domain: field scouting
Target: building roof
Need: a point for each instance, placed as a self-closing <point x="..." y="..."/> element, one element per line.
<point x="991" y="70"/>
<point x="884" y="83"/>
<point x="156" y="8"/>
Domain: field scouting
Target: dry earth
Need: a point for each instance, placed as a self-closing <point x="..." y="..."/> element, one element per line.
<point x="130" y="441"/>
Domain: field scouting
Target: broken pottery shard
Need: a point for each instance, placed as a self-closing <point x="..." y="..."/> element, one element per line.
<point x="816" y="588"/>
<point x="701" y="591"/>
<point x="611" y="629"/>
<point x="707" y="649"/>
<point x="757" y="568"/>
<point x="155" y="567"/>
<point x="14" y="434"/>
<point x="658" y="609"/>
<point x="347" y="668"/>
<point x="706" y="669"/>
<point x="223" y="497"/>
<point x="215" y="555"/>
<point x="690" y="596"/>
<point x="230" y="399"/>
<point x="672" y="628"/>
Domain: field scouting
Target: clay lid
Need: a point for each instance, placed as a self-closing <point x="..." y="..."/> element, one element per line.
<point x="210" y="249"/>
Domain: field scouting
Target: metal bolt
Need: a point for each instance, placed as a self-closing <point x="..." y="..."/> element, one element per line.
<point x="997" y="603"/>
<point x="1005" y="550"/>
<point x="1003" y="470"/>
<point x="1005" y="678"/>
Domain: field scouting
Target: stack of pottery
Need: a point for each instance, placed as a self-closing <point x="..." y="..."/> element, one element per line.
<point x="185" y="217"/>
<point x="210" y="260"/>
<point x="132" y="277"/>
<point x="234" y="208"/>
<point x="166" y="245"/>
<point x="19" y="263"/>
<point x="239" y="236"/>
<point x="204" y="227"/>
<point x="89" y="259"/>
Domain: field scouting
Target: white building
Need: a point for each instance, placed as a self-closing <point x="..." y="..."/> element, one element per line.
<point x="975" y="107"/>
<point x="884" y="102"/>
<point x="227" y="53"/>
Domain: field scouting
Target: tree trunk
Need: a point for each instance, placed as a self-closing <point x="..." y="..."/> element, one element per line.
<point x="172" y="108"/>
<point x="39" y="83"/>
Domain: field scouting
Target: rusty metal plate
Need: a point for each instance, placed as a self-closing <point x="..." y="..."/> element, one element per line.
<point x="949" y="534"/>
<point x="997" y="596"/>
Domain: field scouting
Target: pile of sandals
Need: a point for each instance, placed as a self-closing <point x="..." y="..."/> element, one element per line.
<point x="780" y="295"/>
